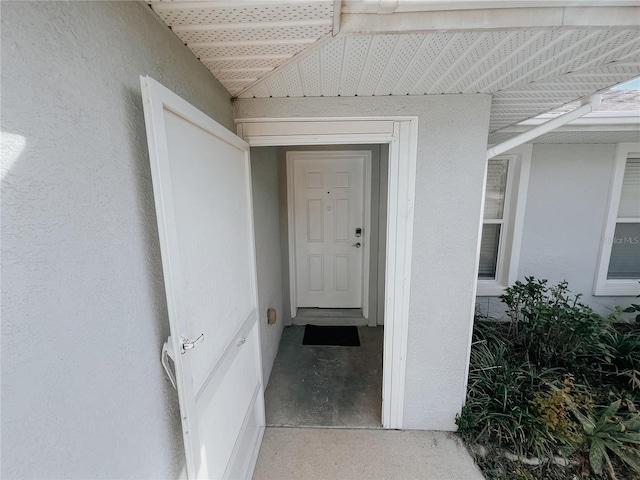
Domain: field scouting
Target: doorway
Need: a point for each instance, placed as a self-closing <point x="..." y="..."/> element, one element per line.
<point x="353" y="224"/>
<point x="320" y="385"/>
<point x="400" y="134"/>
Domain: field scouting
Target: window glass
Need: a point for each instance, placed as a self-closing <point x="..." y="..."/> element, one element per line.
<point x="496" y="188"/>
<point x="625" y="252"/>
<point x="489" y="251"/>
<point x="624" y="262"/>
<point x="630" y="196"/>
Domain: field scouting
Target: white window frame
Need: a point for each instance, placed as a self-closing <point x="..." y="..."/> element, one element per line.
<point x="512" y="222"/>
<point x="602" y="285"/>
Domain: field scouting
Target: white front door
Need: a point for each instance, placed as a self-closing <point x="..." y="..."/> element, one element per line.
<point x="202" y="189"/>
<point x="329" y="201"/>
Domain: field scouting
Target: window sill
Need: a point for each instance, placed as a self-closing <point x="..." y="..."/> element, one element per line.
<point x="617" y="288"/>
<point x="490" y="288"/>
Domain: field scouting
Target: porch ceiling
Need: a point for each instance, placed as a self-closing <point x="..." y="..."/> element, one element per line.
<point x="241" y="41"/>
<point x="616" y="121"/>
<point x="286" y="48"/>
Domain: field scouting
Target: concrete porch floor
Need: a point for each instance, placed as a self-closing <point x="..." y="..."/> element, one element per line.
<point x="319" y="386"/>
<point x="352" y="454"/>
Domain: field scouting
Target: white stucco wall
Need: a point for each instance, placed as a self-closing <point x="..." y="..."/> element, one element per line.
<point x="83" y="305"/>
<point x="449" y="186"/>
<point x="266" y="214"/>
<point x="565" y="214"/>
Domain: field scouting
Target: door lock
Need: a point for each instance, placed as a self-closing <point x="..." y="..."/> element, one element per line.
<point x="189" y="345"/>
<point x="358" y="232"/>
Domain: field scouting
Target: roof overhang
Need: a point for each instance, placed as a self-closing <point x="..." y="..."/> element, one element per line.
<point x="530" y="56"/>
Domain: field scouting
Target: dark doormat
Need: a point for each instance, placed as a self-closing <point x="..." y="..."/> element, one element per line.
<point x="331" y="336"/>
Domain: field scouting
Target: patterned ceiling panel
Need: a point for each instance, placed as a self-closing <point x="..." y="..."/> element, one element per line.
<point x="242" y="41"/>
<point x="270" y="48"/>
<point x="471" y="62"/>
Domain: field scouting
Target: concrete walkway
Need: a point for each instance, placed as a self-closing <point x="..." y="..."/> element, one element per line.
<point x="339" y="453"/>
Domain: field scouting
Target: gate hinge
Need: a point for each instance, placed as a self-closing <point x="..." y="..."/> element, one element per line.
<point x="167" y="353"/>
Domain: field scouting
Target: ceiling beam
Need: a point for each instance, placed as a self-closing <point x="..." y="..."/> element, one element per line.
<point x="491" y="19"/>
<point x="596" y="124"/>
<point x="397" y="6"/>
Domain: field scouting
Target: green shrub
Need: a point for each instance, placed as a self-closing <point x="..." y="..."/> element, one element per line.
<point x="498" y="405"/>
<point x="553" y="326"/>
<point x="618" y="367"/>
<point x="534" y="381"/>
<point x="622" y="349"/>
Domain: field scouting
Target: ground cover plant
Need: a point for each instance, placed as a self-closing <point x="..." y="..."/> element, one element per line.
<point x="552" y="392"/>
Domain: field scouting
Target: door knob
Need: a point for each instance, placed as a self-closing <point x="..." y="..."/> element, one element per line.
<point x="357" y="245"/>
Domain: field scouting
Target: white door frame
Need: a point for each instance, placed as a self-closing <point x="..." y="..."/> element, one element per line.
<point x="293" y="271"/>
<point x="401" y="133"/>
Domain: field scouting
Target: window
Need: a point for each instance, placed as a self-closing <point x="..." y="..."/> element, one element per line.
<point x="505" y="194"/>
<point x="493" y="223"/>
<point x="619" y="266"/>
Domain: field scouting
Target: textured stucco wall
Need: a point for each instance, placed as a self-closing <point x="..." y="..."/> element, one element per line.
<point x="83" y="306"/>
<point x="266" y="215"/>
<point x="452" y="142"/>
<point x="565" y="213"/>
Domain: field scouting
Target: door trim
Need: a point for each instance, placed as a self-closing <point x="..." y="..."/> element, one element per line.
<point x="401" y="133"/>
<point x="293" y="297"/>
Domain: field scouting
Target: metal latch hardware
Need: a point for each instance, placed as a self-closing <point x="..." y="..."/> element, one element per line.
<point x="186" y="344"/>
